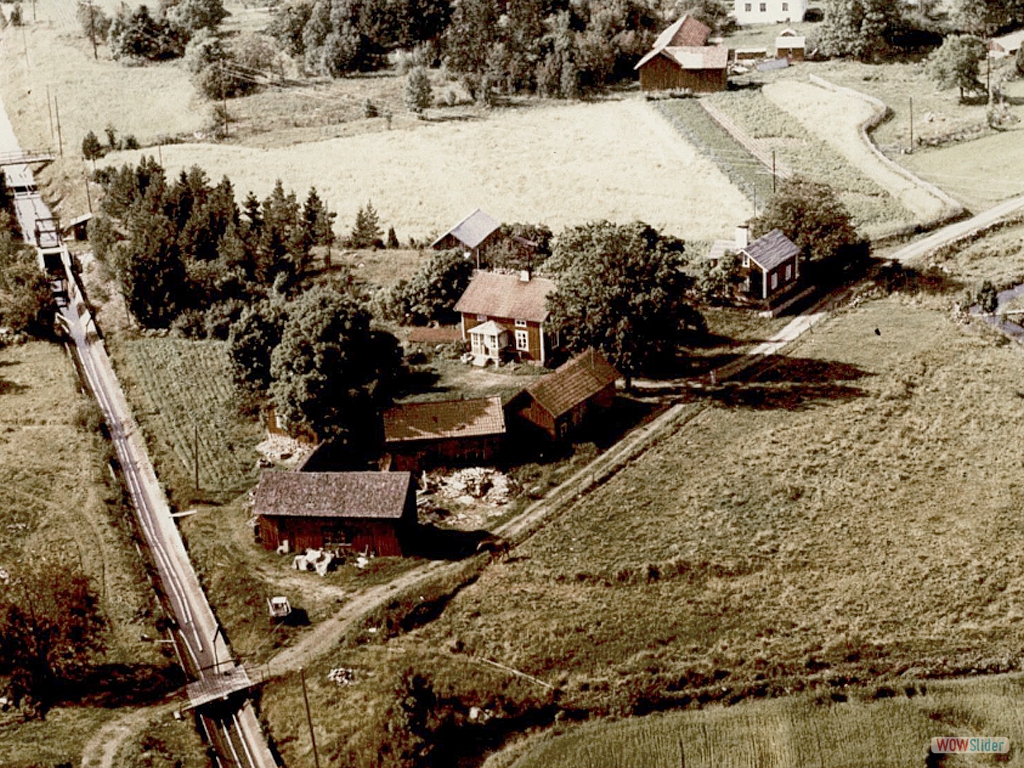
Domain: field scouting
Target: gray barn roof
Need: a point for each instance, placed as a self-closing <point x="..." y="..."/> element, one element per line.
<point x="686" y="32"/>
<point x="772" y="250"/>
<point x="444" y="419"/>
<point x="472" y="230"/>
<point x="379" y="495"/>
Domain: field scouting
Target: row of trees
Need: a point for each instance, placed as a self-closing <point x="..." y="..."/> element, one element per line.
<point x="26" y="302"/>
<point x="139" y="34"/>
<point x="184" y="252"/>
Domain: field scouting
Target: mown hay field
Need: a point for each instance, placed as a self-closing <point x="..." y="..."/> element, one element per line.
<point x="58" y="502"/>
<point x="875" y="210"/>
<point x="852" y="516"/>
<point x="559" y="165"/>
<point x="177" y="385"/>
<point x="796" y="731"/>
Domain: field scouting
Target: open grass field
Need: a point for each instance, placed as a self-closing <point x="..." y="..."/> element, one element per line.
<point x="176" y="384"/>
<point x="998" y="257"/>
<point x="853" y="517"/>
<point x="57" y="497"/>
<point x="559" y="165"/>
<point x="795" y="731"/>
<point x="874" y="209"/>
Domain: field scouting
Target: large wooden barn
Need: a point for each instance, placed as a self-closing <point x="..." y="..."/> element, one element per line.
<point x="474" y="235"/>
<point x="422" y="435"/>
<point x="561" y="402"/>
<point x="504" y="315"/>
<point x="360" y="511"/>
<point x="681" y="59"/>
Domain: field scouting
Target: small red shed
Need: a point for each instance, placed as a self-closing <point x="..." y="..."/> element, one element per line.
<point x="561" y="402"/>
<point x="363" y="511"/>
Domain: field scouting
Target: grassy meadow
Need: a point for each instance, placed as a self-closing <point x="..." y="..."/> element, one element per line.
<point x="57" y="498"/>
<point x="854" y="519"/>
<point x="796" y="730"/>
<point x="616" y="160"/>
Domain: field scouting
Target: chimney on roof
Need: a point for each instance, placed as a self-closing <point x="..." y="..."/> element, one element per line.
<point x="524" y="276"/>
<point x="742" y="236"/>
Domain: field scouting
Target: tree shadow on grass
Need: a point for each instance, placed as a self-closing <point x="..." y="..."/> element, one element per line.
<point x="788" y="383"/>
<point x="117" y="685"/>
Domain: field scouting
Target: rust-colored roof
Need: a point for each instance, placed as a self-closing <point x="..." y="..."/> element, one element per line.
<point x="378" y="495"/>
<point x="572" y="383"/>
<point x="443" y="335"/>
<point x="506" y="296"/>
<point x="444" y="419"/>
<point x="685" y="32"/>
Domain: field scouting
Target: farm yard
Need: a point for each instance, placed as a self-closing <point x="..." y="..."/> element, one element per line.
<point x="859" y="526"/>
<point x="57" y="498"/>
<point x="891" y="731"/>
<point x="616" y="160"/>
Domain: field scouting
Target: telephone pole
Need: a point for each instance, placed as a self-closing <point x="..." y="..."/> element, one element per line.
<point x="309" y="717"/>
<point x="60" y="137"/>
<point x="910" y="149"/>
<point x="92" y="28"/>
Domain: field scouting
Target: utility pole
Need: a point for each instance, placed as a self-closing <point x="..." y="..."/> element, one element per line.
<point x="92" y="28"/>
<point x="88" y="195"/>
<point x="773" y="172"/>
<point x="195" y="452"/>
<point x="49" y="110"/>
<point x="910" y="149"/>
<point x="309" y="717"/>
<point x="60" y="137"/>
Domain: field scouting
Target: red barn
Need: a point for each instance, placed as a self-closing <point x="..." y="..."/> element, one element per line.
<point x="681" y="59"/>
<point x="560" y="402"/>
<point x="362" y="511"/>
<point x="419" y="435"/>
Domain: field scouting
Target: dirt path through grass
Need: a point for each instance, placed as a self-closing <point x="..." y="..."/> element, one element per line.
<point x="837" y="119"/>
<point x="101" y="750"/>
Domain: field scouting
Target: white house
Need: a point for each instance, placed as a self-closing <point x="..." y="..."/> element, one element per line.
<point x="769" y="11"/>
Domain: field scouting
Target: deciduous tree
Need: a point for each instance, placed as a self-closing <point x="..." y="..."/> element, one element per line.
<point x="431" y="293"/>
<point x="50" y="631"/>
<point x="810" y="215"/>
<point x="418" y="92"/>
<point x="331" y="371"/>
<point x="957" y="63"/>
<point x="861" y="29"/>
<point x="621" y="288"/>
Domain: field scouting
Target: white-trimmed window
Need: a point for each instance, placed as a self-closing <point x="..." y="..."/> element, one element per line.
<point x="520" y="323"/>
<point x="785" y="6"/>
<point x="789" y="272"/>
<point x="764" y="7"/>
<point x="746" y="7"/>
<point x="775" y="280"/>
<point x="523" y="341"/>
<point x="481" y="318"/>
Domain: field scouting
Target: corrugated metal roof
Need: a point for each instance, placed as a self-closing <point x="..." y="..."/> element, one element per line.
<point x="770" y="251"/>
<point x="685" y="31"/>
<point x="472" y="230"/>
<point x="506" y="296"/>
<point x="445" y="419"/>
<point x="574" y="382"/>
<point x="332" y="494"/>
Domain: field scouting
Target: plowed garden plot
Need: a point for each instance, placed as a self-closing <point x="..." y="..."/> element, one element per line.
<point x="875" y="211"/>
<point x="176" y="385"/>
<point x="854" y="514"/>
<point x="558" y="165"/>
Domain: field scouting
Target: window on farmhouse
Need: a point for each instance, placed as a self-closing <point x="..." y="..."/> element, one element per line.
<point x="746" y="7"/>
<point x="520" y="323"/>
<point x="523" y="341"/>
<point x="775" y="280"/>
<point x="764" y="7"/>
<point x="789" y="272"/>
<point x="481" y="318"/>
<point x="785" y="6"/>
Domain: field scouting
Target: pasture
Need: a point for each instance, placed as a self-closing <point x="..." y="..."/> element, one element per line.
<point x="555" y="164"/>
<point x="851" y="515"/>
<point x="57" y="497"/>
<point x="874" y="209"/>
<point x="796" y="730"/>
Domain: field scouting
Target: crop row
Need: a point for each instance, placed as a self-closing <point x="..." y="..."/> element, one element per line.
<point x="187" y="386"/>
